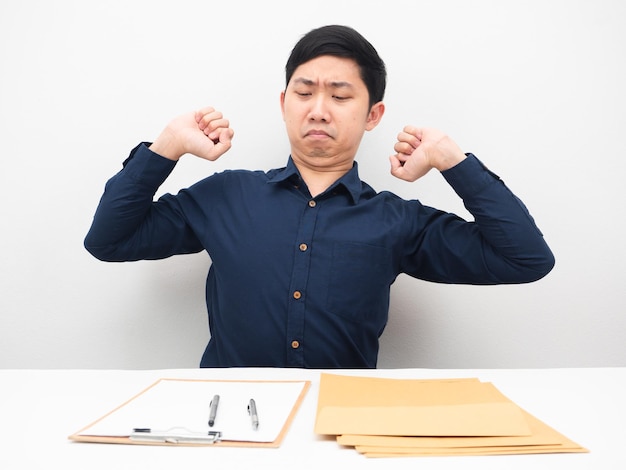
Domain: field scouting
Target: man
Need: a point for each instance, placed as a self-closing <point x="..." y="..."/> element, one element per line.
<point x="303" y="256"/>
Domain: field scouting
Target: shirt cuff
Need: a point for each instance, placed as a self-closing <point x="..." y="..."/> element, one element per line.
<point x="147" y="167"/>
<point x="469" y="177"/>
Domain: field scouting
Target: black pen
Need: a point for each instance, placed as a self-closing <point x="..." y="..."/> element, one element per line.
<point x="253" y="414"/>
<point x="213" y="412"/>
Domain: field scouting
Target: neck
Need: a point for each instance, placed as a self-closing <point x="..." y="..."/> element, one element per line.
<point x="319" y="179"/>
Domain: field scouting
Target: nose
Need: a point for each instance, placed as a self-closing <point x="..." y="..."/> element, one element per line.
<point x="319" y="110"/>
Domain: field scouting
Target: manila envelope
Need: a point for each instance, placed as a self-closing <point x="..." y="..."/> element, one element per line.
<point x="543" y="440"/>
<point x="407" y="407"/>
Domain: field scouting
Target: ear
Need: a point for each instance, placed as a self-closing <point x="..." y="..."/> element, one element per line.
<point x="282" y="103"/>
<point x="375" y="115"/>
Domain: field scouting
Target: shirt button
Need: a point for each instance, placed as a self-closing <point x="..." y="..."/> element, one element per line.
<point x="297" y="294"/>
<point x="295" y="344"/>
<point x="312" y="203"/>
<point x="303" y="247"/>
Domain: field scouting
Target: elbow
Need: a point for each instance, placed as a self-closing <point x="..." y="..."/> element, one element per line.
<point x="546" y="266"/>
<point x="549" y="262"/>
<point x="98" y="251"/>
<point x="539" y="266"/>
<point x="532" y="266"/>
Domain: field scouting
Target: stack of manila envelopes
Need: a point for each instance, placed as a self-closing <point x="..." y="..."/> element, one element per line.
<point x="405" y="417"/>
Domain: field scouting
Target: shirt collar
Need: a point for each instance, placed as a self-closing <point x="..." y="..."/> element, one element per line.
<point x="350" y="181"/>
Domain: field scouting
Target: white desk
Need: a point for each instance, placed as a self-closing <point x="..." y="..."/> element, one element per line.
<point x="40" y="408"/>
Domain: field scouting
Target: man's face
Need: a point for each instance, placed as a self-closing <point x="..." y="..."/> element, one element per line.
<point x="326" y="111"/>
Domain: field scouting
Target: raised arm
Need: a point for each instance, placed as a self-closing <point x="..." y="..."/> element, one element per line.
<point x="128" y="223"/>
<point x="501" y="245"/>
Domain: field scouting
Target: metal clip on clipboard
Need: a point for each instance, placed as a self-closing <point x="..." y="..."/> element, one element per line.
<point x="175" y="436"/>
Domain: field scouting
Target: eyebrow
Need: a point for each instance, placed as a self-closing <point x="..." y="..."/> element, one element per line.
<point x="332" y="84"/>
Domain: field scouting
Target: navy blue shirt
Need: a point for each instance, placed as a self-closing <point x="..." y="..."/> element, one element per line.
<point x="297" y="281"/>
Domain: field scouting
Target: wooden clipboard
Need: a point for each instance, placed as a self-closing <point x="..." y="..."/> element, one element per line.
<point x="293" y="400"/>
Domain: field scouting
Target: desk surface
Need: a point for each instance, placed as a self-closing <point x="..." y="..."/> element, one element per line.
<point x="39" y="409"/>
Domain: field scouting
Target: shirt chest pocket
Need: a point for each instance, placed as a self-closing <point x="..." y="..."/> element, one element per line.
<point x="359" y="281"/>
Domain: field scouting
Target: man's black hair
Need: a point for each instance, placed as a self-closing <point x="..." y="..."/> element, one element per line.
<point x="341" y="41"/>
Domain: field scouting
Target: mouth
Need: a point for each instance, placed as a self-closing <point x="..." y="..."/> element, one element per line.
<point x="317" y="133"/>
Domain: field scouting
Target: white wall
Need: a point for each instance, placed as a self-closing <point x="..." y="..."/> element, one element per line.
<point x="536" y="88"/>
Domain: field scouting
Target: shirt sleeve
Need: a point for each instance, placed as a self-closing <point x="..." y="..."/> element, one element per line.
<point x="128" y="224"/>
<point x="502" y="245"/>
